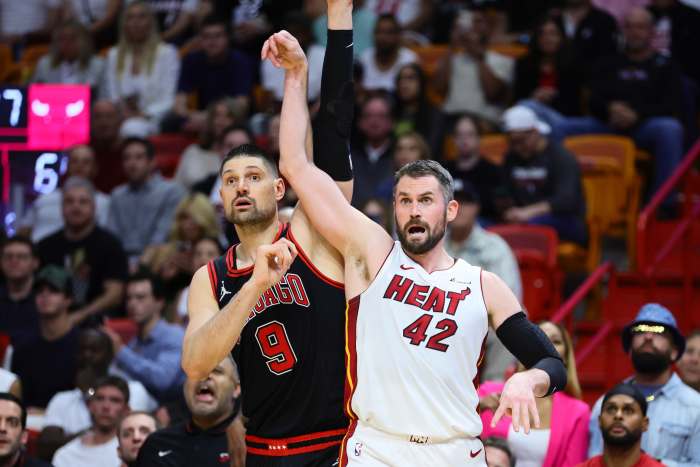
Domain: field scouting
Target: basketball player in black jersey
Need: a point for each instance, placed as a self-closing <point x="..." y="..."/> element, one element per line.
<point x="275" y="300"/>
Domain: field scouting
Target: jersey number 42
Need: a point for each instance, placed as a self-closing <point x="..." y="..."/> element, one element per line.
<point x="417" y="332"/>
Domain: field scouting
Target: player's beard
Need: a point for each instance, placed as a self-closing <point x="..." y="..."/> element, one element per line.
<point x="253" y="216"/>
<point x="628" y="439"/>
<point x="432" y="238"/>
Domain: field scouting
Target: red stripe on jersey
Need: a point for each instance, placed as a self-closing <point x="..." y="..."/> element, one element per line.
<point x="344" y="446"/>
<point x="213" y="280"/>
<point x="351" y="311"/>
<point x="311" y="265"/>
<point x="281" y="452"/>
<point x="479" y="362"/>
<point x="297" y="439"/>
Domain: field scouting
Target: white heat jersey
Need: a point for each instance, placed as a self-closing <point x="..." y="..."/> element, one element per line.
<point x="414" y="342"/>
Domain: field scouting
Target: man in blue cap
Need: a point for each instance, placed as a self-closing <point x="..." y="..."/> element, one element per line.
<point x="654" y="343"/>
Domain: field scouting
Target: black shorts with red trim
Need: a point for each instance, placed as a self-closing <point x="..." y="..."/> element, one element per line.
<point x="316" y="449"/>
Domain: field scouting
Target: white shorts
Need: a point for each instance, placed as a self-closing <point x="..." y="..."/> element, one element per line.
<point x="367" y="446"/>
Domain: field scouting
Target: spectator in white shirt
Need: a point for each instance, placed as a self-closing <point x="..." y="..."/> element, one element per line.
<point x="381" y="63"/>
<point x="44" y="216"/>
<point x="141" y="72"/>
<point x="98" y="446"/>
<point x="475" y="80"/>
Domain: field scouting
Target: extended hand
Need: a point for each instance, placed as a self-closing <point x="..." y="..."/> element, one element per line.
<point x="272" y="262"/>
<point x="518" y="401"/>
<point x="284" y="51"/>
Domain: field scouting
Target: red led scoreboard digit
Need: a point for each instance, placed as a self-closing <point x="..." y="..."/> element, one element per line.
<point x="37" y="124"/>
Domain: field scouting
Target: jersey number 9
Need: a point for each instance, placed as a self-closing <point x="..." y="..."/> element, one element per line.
<point x="275" y="347"/>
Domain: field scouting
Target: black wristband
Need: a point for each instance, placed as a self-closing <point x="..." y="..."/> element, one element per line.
<point x="333" y="122"/>
<point x="530" y="345"/>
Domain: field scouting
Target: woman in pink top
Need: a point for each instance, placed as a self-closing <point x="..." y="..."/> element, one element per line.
<point x="562" y="439"/>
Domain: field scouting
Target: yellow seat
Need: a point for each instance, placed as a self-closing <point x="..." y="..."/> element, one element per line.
<point x="611" y="187"/>
<point x="493" y="147"/>
<point x="514" y="51"/>
<point x="30" y="57"/>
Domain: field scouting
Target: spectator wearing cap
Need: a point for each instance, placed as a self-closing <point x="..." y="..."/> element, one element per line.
<point x="469" y="165"/>
<point x="467" y="240"/>
<point x="94" y="257"/>
<point x="18" y="262"/>
<point x="623" y="419"/>
<point x="13" y="430"/>
<point x="543" y="179"/>
<point x="653" y="343"/>
<point x="689" y="364"/>
<point x="498" y="453"/>
<point x="98" y="445"/>
<point x="45" y="362"/>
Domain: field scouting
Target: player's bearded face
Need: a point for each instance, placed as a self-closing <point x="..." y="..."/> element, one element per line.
<point x="418" y="237"/>
<point x="248" y="192"/>
<point x="245" y="210"/>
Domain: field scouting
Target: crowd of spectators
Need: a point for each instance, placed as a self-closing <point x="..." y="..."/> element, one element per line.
<point x="118" y="239"/>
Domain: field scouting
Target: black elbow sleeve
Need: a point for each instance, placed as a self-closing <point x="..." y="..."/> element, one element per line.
<point x="533" y="349"/>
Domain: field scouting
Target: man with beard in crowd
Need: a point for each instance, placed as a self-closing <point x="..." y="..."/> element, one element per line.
<point x="622" y="421"/>
<point x="13" y="433"/>
<point x="201" y="441"/>
<point x="653" y="343"/>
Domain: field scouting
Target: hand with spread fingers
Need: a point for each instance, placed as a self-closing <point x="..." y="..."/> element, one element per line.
<point x="272" y="262"/>
<point x="284" y="51"/>
<point x="518" y="402"/>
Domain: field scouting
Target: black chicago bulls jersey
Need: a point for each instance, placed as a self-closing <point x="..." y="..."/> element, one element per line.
<point x="291" y="352"/>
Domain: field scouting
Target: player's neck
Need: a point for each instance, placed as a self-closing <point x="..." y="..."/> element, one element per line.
<point x="253" y="236"/>
<point x="436" y="259"/>
<point x="622" y="456"/>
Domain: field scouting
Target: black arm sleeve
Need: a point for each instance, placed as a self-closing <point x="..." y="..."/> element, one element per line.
<point x="333" y="121"/>
<point x="533" y="349"/>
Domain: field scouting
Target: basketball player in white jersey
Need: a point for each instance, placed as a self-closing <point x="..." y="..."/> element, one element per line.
<point x="416" y="317"/>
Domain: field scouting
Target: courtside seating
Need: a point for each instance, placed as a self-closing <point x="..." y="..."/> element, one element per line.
<point x="611" y="187"/>
<point x="169" y="147"/>
<point x="125" y="327"/>
<point x="535" y="248"/>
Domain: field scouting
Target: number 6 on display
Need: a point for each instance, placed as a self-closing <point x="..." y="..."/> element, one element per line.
<point x="274" y="345"/>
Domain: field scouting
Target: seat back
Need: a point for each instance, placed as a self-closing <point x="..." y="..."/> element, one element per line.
<point x="535" y="248"/>
<point x="30" y="57"/>
<point x="169" y="147"/>
<point x="125" y="327"/>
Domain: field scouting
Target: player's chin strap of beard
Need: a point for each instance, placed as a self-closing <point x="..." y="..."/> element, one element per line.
<point x="333" y="122"/>
<point x="531" y="346"/>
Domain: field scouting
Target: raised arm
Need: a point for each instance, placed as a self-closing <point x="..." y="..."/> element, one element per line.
<point x="345" y="228"/>
<point x="212" y="333"/>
